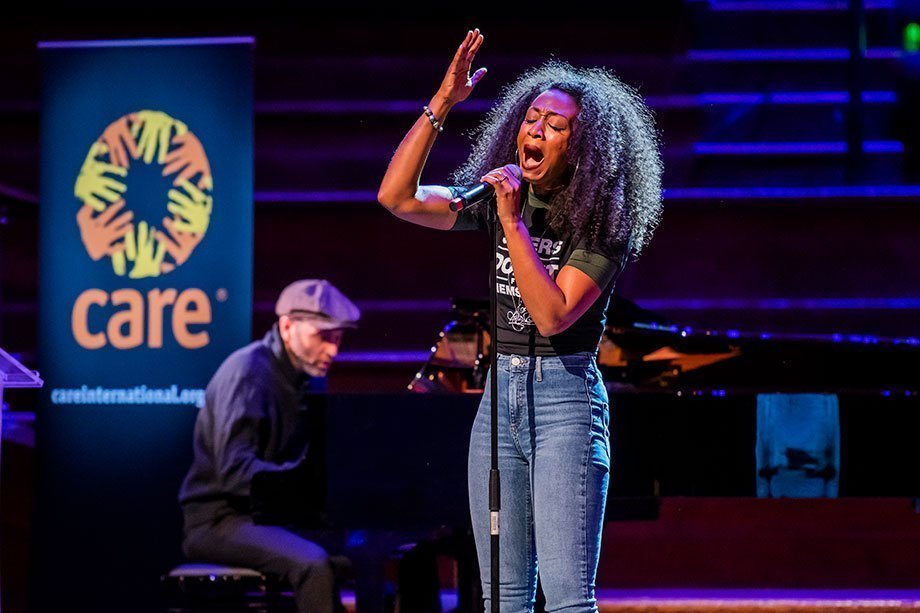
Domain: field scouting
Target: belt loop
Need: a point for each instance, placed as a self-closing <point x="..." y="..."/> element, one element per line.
<point x="539" y="368"/>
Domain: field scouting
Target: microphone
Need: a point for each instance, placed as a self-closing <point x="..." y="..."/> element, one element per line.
<point x="475" y="194"/>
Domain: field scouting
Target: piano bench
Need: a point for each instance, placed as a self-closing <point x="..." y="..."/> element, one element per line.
<point x="196" y="588"/>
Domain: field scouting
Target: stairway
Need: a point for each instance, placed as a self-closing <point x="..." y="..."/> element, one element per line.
<point x="775" y="78"/>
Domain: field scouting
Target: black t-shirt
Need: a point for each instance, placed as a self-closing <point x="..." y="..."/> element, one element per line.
<point x="517" y="334"/>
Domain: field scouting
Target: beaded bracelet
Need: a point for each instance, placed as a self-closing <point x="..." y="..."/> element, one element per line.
<point x="434" y="120"/>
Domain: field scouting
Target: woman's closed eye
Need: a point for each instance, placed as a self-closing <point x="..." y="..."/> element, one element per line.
<point x="555" y="126"/>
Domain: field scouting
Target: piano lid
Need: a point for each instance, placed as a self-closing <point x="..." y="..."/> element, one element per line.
<point x="642" y="351"/>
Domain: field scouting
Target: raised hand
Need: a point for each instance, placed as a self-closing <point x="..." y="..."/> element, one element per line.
<point x="179" y="245"/>
<point x="190" y="207"/>
<point x="100" y="232"/>
<point x="119" y="140"/>
<point x="93" y="186"/>
<point x="188" y="159"/>
<point x="458" y="84"/>
<point x="153" y="131"/>
<point x="142" y="248"/>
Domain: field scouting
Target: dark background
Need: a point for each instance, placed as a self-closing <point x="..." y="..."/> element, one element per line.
<point x="836" y="252"/>
<point x="334" y="95"/>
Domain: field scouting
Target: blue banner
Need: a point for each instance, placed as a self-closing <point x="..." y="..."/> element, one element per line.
<point x="146" y="218"/>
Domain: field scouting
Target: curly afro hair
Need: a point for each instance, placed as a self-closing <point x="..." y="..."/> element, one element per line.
<point x="613" y="196"/>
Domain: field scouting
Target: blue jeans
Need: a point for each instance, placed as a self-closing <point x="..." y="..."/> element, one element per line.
<point x="554" y="458"/>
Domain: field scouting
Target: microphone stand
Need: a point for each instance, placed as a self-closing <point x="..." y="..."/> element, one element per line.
<point x="494" y="477"/>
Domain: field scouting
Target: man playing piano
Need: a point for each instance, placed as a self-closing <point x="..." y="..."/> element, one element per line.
<point x="254" y="420"/>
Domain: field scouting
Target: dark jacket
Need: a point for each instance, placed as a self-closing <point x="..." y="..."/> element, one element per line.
<point x="254" y="419"/>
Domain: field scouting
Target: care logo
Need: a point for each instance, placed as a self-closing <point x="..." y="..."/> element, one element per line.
<point x="107" y="225"/>
<point x="125" y="318"/>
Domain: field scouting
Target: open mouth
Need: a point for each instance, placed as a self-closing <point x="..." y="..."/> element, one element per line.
<point x="531" y="157"/>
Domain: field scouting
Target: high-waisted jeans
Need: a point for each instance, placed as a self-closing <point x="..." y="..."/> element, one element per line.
<point x="554" y="458"/>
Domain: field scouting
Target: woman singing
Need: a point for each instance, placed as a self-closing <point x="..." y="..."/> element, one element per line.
<point x="587" y="196"/>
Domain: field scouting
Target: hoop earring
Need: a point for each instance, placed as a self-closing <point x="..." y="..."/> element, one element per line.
<point x="577" y="163"/>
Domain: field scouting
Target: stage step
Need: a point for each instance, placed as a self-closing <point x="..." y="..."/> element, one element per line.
<point x="737" y="601"/>
<point x="742" y="601"/>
